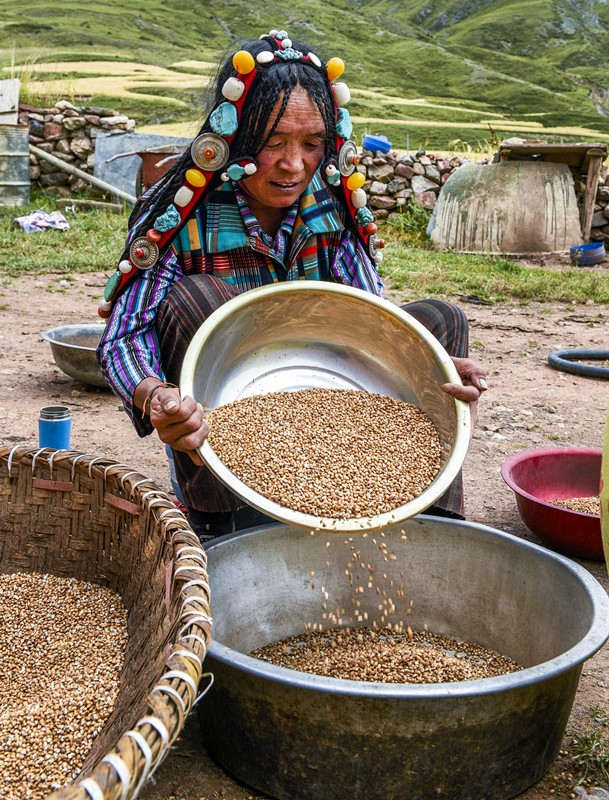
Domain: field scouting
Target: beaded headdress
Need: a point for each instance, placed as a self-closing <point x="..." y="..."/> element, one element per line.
<point x="210" y="152"/>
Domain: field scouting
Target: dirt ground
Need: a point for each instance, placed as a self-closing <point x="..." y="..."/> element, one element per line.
<point x="528" y="405"/>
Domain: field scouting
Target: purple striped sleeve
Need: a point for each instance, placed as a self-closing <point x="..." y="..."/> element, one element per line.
<point x="353" y="267"/>
<point x="129" y="348"/>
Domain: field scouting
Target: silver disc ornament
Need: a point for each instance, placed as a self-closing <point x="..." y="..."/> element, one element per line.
<point x="374" y="245"/>
<point x="346" y="154"/>
<point x="209" y="151"/>
<point x="143" y="253"/>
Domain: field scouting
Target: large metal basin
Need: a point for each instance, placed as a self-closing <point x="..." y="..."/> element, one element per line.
<point x="296" y="736"/>
<point x="73" y="348"/>
<point x="312" y="334"/>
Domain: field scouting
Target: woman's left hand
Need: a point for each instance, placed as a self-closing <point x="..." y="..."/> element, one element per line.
<point x="474" y="381"/>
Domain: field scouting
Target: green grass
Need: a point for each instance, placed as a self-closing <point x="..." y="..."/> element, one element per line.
<point x="412" y="267"/>
<point x="512" y="58"/>
<point x="94" y="242"/>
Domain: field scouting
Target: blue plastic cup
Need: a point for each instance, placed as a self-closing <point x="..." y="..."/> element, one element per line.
<point x="54" y="427"/>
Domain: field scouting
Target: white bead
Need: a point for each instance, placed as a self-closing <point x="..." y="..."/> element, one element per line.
<point x="105" y="305"/>
<point x="125" y="266"/>
<point x="313" y="59"/>
<point x="342" y="95"/>
<point x="183" y="196"/>
<point x="265" y="57"/>
<point x="359" y="198"/>
<point x="224" y="176"/>
<point x="286" y="43"/>
<point x="250" y="168"/>
<point x="331" y="169"/>
<point x="378" y="256"/>
<point x="274" y="32"/>
<point x="233" y="89"/>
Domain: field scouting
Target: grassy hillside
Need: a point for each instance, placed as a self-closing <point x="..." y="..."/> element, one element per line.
<point x="476" y="68"/>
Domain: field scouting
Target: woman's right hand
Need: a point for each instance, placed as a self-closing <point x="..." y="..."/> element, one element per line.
<point x="179" y="422"/>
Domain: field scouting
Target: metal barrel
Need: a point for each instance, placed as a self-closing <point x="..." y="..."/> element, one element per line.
<point x="14" y="165"/>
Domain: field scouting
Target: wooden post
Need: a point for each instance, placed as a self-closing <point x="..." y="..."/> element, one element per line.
<point x="595" y="159"/>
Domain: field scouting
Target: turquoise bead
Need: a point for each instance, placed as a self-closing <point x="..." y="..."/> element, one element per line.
<point x="235" y="172"/>
<point x="363" y="216"/>
<point x="168" y="220"/>
<point x="344" y="126"/>
<point x="111" y="286"/>
<point x="289" y="54"/>
<point x="334" y="179"/>
<point x="223" y="119"/>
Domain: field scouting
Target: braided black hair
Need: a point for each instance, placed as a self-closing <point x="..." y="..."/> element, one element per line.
<point x="274" y="80"/>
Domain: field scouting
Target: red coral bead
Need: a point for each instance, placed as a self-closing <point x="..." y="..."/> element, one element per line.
<point x="139" y="252"/>
<point x="371" y="228"/>
<point x="153" y="235"/>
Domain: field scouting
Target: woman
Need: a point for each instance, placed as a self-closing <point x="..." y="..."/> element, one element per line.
<point x="267" y="192"/>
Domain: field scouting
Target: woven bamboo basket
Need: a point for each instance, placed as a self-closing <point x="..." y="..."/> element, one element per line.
<point x="75" y="515"/>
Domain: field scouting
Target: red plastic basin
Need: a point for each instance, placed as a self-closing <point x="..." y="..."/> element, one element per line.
<point x="538" y="476"/>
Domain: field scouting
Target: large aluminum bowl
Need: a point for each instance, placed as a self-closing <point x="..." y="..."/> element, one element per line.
<point x="302" y="335"/>
<point x="73" y="348"/>
<point x="298" y="736"/>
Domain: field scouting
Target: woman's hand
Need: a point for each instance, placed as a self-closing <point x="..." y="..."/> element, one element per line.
<point x="179" y="422"/>
<point x="474" y="383"/>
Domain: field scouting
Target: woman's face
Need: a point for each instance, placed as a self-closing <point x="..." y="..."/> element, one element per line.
<point x="290" y="157"/>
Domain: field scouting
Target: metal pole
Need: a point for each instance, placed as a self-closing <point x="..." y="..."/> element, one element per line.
<point x="63" y="165"/>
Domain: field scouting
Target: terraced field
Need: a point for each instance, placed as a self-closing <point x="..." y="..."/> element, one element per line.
<point x="421" y="72"/>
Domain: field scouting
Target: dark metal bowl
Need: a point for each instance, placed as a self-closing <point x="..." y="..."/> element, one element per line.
<point x="73" y="348"/>
<point x="297" y="736"/>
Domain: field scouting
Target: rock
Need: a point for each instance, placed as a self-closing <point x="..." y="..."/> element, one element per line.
<point x="401" y="201"/>
<point x="62" y="105"/>
<point x="93" y="119"/>
<point x="380" y="214"/>
<point x="382" y="202"/>
<point x="425" y="199"/>
<point x="378" y="161"/>
<point x="425" y="160"/>
<point x="130" y="125"/>
<point x="419" y="153"/>
<point x="38" y="117"/>
<point x="69" y="157"/>
<point x="63" y="146"/>
<point x="81" y="146"/>
<point x="404" y="170"/>
<point x="432" y="173"/>
<point x="55" y="179"/>
<point x="52" y="130"/>
<point x="420" y="184"/>
<point x="90" y="161"/>
<point x="34" y="172"/>
<point x="404" y="194"/>
<point x="35" y="139"/>
<point x="366" y="161"/>
<point x="418" y="169"/>
<point x="73" y="123"/>
<point x="78" y="185"/>
<point x="405" y="159"/>
<point x="23" y="118"/>
<point x="376" y="187"/>
<point x="48" y="147"/>
<point x="606" y="212"/>
<point x="100" y="111"/>
<point x="396" y="185"/>
<point x="599" y="219"/>
<point x="94" y="132"/>
<point x="36" y="128"/>
<point x="112" y="122"/>
<point x="382" y="172"/>
<point x="445" y="176"/>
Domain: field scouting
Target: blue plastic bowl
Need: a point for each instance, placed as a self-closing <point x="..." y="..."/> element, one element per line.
<point x="585" y="255"/>
<point x="376" y="143"/>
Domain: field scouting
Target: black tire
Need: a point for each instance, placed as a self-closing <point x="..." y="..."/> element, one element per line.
<point x="567" y="361"/>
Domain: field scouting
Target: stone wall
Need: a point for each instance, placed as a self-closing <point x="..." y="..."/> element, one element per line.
<point x="392" y="181"/>
<point x="67" y="132"/>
